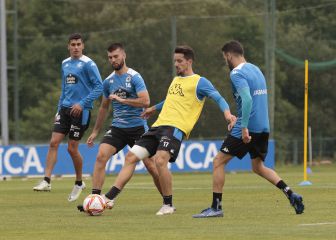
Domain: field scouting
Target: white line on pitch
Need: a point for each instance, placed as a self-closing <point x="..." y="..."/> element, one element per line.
<point x="317" y="224"/>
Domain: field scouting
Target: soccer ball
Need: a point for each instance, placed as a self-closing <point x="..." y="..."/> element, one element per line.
<point x="94" y="205"/>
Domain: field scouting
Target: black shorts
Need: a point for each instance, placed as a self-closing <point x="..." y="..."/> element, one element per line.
<point x="256" y="148"/>
<point x="120" y="137"/>
<point x="65" y="123"/>
<point x="161" y="138"/>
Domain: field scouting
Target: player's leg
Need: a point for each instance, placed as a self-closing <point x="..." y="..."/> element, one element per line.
<point x="61" y="128"/>
<point x="77" y="160"/>
<point x="76" y="157"/>
<point x="167" y="151"/>
<point x="133" y="135"/>
<point x="258" y="153"/>
<point x="218" y="178"/>
<point x="161" y="160"/>
<point x="45" y="184"/>
<point x="113" y="141"/>
<point x="152" y="169"/>
<point x="56" y="139"/>
<point x="125" y="173"/>
<point x="143" y="148"/>
<point x="231" y="147"/>
<point x="76" y="132"/>
<point x="105" y="152"/>
<point x="269" y="174"/>
<point x="218" y="181"/>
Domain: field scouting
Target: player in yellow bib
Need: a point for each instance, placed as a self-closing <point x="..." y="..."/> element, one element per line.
<point x="179" y="113"/>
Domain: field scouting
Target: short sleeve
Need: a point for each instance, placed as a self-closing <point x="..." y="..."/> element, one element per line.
<point x="139" y="83"/>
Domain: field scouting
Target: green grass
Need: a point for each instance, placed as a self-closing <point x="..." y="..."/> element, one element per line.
<point x="253" y="209"/>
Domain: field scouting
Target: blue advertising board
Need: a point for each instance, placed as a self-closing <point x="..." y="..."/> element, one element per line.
<point x="194" y="156"/>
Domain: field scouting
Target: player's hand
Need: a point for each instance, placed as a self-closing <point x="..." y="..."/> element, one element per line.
<point x="148" y="112"/>
<point x="231" y="119"/>
<point x="91" y="139"/>
<point x="116" y="98"/>
<point x="245" y="135"/>
<point x="76" y="110"/>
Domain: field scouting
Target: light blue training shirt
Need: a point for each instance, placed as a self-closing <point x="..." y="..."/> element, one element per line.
<point x="127" y="85"/>
<point x="81" y="84"/>
<point x="250" y="93"/>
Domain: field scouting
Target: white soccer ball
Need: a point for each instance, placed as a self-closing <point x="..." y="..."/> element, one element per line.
<point x="94" y="205"/>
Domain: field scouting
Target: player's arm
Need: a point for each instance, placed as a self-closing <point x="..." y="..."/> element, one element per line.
<point x="148" y="112"/>
<point x="96" y="81"/>
<point x="62" y="92"/>
<point x="102" y="112"/>
<point x="142" y="101"/>
<point x="246" y="98"/>
<point x="243" y="90"/>
<point x="206" y="89"/>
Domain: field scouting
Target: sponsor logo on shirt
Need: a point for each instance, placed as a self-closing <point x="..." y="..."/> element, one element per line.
<point x="71" y="79"/>
<point x="260" y="92"/>
<point x="176" y="90"/>
<point x="122" y="93"/>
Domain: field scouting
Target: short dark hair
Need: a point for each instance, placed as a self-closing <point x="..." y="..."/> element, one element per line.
<point x="75" y="36"/>
<point x="233" y="47"/>
<point x="115" y="46"/>
<point x="187" y="51"/>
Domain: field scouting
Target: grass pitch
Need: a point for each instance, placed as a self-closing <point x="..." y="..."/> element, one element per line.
<point x="253" y="209"/>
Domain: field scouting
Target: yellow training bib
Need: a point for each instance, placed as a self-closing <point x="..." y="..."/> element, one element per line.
<point x="181" y="108"/>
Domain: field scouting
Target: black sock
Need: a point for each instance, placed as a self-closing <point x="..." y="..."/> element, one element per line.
<point x="216" y="201"/>
<point x="168" y="200"/>
<point x="286" y="190"/>
<point x="47" y="179"/>
<point x="96" y="191"/>
<point x="79" y="183"/>
<point x="114" y="191"/>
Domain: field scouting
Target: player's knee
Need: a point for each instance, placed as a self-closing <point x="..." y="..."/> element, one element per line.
<point x="102" y="159"/>
<point x="72" y="149"/>
<point x="131" y="158"/>
<point x="161" y="162"/>
<point x="257" y="168"/>
<point x="220" y="160"/>
<point x="150" y="165"/>
<point x="54" y="144"/>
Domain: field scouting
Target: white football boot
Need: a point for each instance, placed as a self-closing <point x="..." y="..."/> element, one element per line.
<point x="109" y="203"/>
<point x="43" y="186"/>
<point x="165" y="209"/>
<point x="76" y="191"/>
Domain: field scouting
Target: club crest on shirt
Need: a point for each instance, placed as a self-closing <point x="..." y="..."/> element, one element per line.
<point x="176" y="90"/>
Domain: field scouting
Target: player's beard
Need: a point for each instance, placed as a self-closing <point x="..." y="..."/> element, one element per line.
<point x="230" y="65"/>
<point x="180" y="72"/>
<point x="119" y="66"/>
